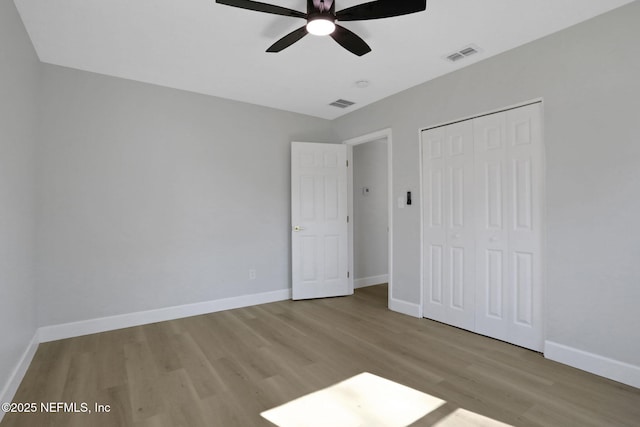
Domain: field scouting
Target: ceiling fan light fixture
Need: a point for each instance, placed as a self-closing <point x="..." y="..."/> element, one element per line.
<point x="321" y="19"/>
<point x="321" y="27"/>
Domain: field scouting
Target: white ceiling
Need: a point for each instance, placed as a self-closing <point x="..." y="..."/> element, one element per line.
<point x="204" y="47"/>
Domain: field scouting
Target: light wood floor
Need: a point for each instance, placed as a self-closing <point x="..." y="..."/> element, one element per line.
<point x="223" y="369"/>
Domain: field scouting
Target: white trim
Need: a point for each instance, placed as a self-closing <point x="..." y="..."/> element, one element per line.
<point x="594" y="363"/>
<point x="387" y="135"/>
<point x="351" y="213"/>
<point x="486" y="113"/>
<point x="11" y="387"/>
<point x="370" y="281"/>
<point x="543" y="222"/>
<point x="92" y="326"/>
<point x="408" y="308"/>
<point x="373" y="136"/>
<point x="421" y="213"/>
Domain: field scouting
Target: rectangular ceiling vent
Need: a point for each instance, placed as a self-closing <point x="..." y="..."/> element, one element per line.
<point x="463" y="53"/>
<point x="342" y="103"/>
<point x="455" y="57"/>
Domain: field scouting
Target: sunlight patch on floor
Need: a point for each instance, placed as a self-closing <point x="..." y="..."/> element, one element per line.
<point x="367" y="400"/>
<point x="463" y="418"/>
<point x="363" y="400"/>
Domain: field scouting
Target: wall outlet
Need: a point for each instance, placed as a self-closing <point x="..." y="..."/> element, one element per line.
<point x="252" y="274"/>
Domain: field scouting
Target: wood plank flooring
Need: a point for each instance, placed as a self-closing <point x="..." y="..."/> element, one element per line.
<point x="224" y="369"/>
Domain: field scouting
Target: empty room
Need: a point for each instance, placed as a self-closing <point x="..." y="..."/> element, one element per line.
<point x="319" y="213"/>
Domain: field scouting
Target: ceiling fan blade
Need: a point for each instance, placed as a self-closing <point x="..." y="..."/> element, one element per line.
<point x="350" y="41"/>
<point x="263" y="7"/>
<point x="381" y="9"/>
<point x="288" y="40"/>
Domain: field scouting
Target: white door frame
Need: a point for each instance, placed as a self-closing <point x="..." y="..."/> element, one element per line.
<point x="386" y="135"/>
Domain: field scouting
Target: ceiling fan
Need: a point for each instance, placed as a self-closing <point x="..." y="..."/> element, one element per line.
<point x="321" y="19"/>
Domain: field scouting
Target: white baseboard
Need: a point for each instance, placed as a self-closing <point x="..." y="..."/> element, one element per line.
<point x="10" y="388"/>
<point x="404" y="307"/>
<point x="103" y="324"/>
<point x="91" y="326"/>
<point x="605" y="367"/>
<point x="370" y="281"/>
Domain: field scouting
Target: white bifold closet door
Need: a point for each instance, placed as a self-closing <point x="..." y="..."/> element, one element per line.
<point x="503" y="226"/>
<point x="449" y="224"/>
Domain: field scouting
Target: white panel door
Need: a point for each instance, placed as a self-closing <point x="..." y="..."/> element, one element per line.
<point x="508" y="148"/>
<point x="434" y="229"/>
<point x="449" y="226"/>
<point x="525" y="178"/>
<point x="319" y="220"/>
<point x="492" y="245"/>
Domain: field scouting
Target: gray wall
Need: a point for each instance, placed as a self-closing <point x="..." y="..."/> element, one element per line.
<point x="19" y="76"/>
<point x="588" y="77"/>
<point x="152" y="197"/>
<point x="370" y="211"/>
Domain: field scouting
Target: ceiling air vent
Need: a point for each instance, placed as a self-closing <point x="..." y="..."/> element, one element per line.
<point x="342" y="103"/>
<point x="463" y="53"/>
<point x="455" y="57"/>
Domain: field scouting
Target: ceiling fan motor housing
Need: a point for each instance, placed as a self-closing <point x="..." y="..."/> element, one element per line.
<point x="322" y="7"/>
<point x="328" y="14"/>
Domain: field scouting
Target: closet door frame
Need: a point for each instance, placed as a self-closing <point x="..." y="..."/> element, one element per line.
<point x="542" y="208"/>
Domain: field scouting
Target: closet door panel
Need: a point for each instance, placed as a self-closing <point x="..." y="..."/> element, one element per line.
<point x="460" y="259"/>
<point x="492" y="309"/>
<point x="434" y="224"/>
<point x="524" y="135"/>
<point x="448" y="225"/>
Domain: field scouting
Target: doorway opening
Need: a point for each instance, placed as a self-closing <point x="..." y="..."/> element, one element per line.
<point x="370" y="230"/>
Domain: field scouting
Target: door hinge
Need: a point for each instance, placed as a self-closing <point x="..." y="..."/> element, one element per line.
<point x="347" y="163"/>
<point x="347" y="274"/>
<point x="347" y="219"/>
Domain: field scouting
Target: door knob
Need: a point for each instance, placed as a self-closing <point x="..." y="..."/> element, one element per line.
<point x="297" y="228"/>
